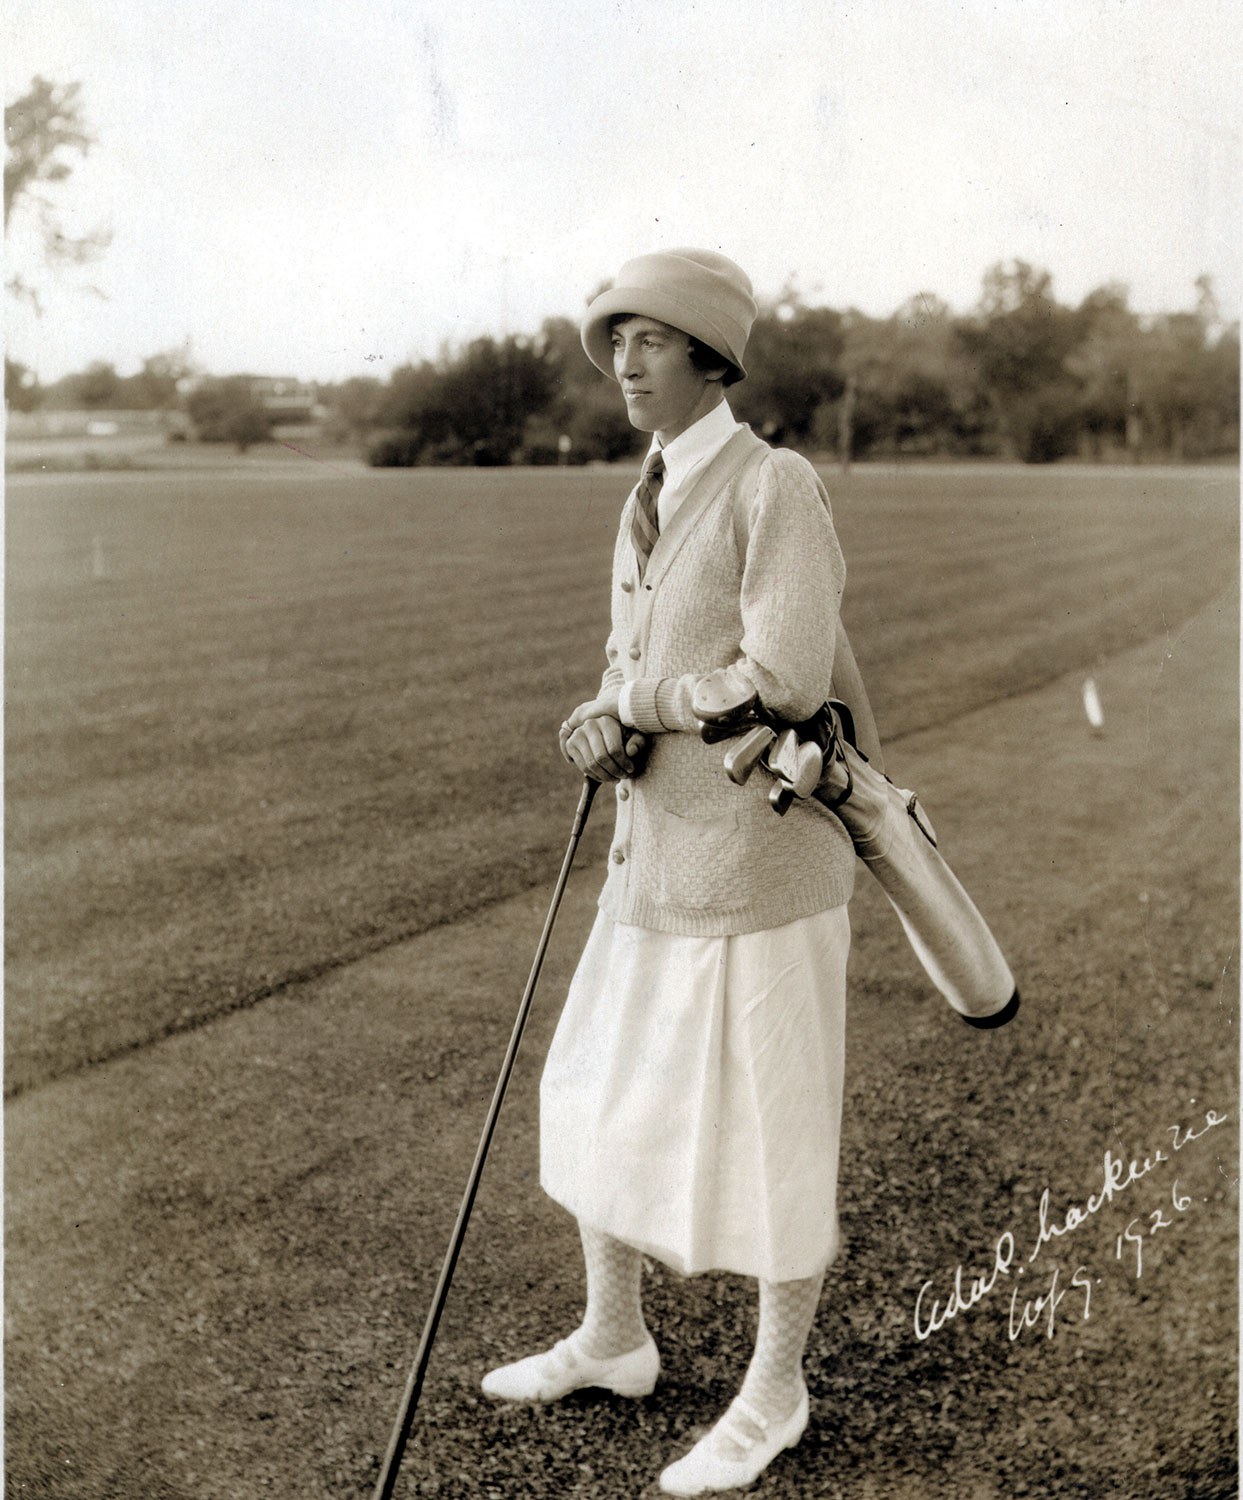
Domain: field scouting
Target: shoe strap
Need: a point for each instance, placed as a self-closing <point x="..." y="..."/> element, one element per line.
<point x="730" y="1428"/>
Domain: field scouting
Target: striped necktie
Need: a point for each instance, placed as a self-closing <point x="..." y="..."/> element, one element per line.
<point x="645" y="525"/>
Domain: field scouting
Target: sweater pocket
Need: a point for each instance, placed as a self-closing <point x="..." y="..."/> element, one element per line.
<point x="697" y="861"/>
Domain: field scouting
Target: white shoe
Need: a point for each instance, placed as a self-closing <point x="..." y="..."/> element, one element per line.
<point x="705" y="1469"/>
<point x="566" y="1367"/>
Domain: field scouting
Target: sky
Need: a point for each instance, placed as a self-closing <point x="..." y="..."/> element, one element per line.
<point x="327" y="188"/>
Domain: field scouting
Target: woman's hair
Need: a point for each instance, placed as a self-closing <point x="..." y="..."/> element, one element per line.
<point x="701" y="356"/>
<point x="704" y="358"/>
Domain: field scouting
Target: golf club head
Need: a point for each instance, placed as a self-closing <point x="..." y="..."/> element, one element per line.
<point x="783" y="757"/>
<point x="723" y="697"/>
<point x="743" y="757"/>
<point x="810" y="768"/>
<point x="797" y="763"/>
<point x="780" y="797"/>
<point x="714" y="734"/>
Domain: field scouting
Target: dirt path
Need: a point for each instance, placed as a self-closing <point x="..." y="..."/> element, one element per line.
<point x="220" y="1249"/>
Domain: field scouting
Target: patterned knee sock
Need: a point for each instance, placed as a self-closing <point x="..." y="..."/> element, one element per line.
<point x="613" y="1323"/>
<point x="774" y="1377"/>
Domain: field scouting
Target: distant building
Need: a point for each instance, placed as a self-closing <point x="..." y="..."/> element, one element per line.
<point x="292" y="406"/>
<point x="288" y="400"/>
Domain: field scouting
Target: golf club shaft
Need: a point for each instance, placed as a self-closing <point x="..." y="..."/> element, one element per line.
<point x="414" y="1384"/>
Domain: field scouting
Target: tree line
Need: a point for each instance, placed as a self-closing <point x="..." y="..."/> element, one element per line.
<point x="1022" y="376"/>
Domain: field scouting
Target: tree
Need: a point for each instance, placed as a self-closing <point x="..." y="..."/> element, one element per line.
<point x="472" y="409"/>
<point x="794" y="356"/>
<point x="489" y="392"/>
<point x="1190" y="385"/>
<point x="1019" y="340"/>
<point x="354" y="407"/>
<point x="22" y="391"/>
<point x="227" y="411"/>
<point x="908" y="389"/>
<point x="1106" y="362"/>
<point x="585" y="405"/>
<point x="1219" y="410"/>
<point x="1172" y="381"/>
<point x="158" y="384"/>
<point x="413" y="413"/>
<point x="43" y="130"/>
<point x="96" y="388"/>
<point x="598" y="426"/>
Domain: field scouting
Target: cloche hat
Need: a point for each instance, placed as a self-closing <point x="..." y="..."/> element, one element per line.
<point x="704" y="294"/>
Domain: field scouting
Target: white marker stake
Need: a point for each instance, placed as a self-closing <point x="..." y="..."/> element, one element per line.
<point x="1092" y="706"/>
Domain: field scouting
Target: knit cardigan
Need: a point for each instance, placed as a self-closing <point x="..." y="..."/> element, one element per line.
<point x="691" y="852"/>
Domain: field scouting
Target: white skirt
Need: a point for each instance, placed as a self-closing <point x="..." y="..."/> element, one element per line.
<point x="691" y="1101"/>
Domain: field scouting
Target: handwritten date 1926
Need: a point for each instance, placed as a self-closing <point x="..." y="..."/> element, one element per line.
<point x="1133" y="1235"/>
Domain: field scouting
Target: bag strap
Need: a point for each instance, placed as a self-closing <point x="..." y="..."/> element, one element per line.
<point x="748" y="474"/>
<point x="847" y="681"/>
<point x="848" y="687"/>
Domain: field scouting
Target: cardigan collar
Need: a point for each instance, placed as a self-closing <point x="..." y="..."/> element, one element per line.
<point x="706" y="485"/>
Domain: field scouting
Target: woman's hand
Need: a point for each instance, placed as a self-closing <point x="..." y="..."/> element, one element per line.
<point x="606" y="704"/>
<point x="600" y="746"/>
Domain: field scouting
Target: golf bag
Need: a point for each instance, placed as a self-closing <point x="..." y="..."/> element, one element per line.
<point x="889" y="830"/>
<point x="893" y="837"/>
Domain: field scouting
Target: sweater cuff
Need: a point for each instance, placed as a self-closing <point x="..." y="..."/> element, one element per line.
<point x="640" y="709"/>
<point x="662" y="705"/>
<point x="673" y="703"/>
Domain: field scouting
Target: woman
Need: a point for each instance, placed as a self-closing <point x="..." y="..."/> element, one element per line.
<point x="691" y="1100"/>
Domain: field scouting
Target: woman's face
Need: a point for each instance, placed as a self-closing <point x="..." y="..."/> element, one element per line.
<point x="664" y="391"/>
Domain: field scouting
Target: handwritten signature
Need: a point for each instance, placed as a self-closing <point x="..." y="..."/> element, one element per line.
<point x="933" y="1311"/>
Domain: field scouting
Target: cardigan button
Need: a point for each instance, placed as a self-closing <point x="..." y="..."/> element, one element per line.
<point x="618" y="857"/>
<point x="627" y="586"/>
<point x="635" y="653"/>
<point x="623" y="791"/>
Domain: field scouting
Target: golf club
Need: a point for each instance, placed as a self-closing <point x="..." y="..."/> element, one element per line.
<point x="414" y="1384"/>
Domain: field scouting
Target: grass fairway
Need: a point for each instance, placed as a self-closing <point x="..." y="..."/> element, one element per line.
<point x="220" y="1249"/>
<point x="262" y="722"/>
